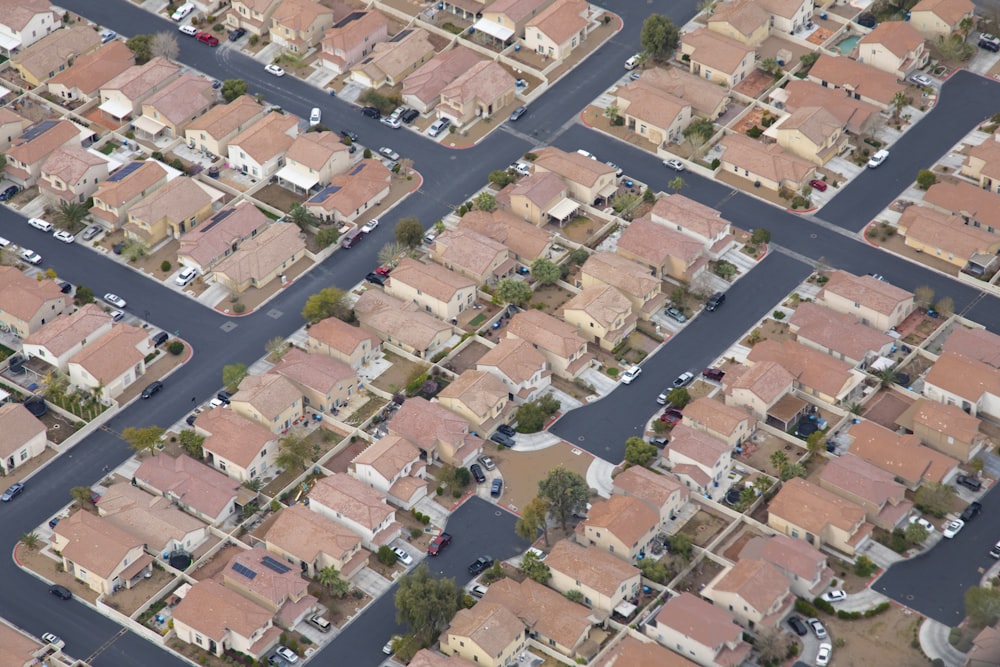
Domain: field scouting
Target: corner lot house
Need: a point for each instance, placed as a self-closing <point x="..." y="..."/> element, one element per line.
<point x="312" y="160"/>
<point x="589" y="181"/>
<point x="604" y="580"/>
<point x="563" y="348"/>
<point x="697" y="629"/>
<point x="653" y="113"/>
<point x="940" y="18"/>
<point x="664" y="251"/>
<point x="556" y="31"/>
<point x="902" y="455"/>
<point x="946" y="428"/>
<point x="716" y="57"/>
<point x="262" y="259"/>
<point x="220" y="236"/>
<point x="422" y="89"/>
<point x="237" y="446"/>
<point x="895" y="47"/>
<point x="24" y="437"/>
<point x="113" y="362"/>
<point x="875" y="302"/>
<point x="479" y="92"/>
<point x="349" y="195"/>
<point x="170" y="211"/>
<point x="354" y="504"/>
<point x="101" y="555"/>
<point x="217" y="619"/>
<point x="949" y="237"/>
<point x="351" y="39"/>
<point x="29" y="151"/>
<point x="767" y="164"/>
<point x="344" y="342"/>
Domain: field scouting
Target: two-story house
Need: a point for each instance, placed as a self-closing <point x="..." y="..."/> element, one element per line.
<point x="621" y="525"/>
<point x="506" y="19"/>
<point x="901" y="455"/>
<point x="349" y="195"/>
<point x="757" y="593"/>
<point x="478" y="396"/>
<point x="24" y="437"/>
<point x="212" y="132"/>
<point x="765" y="163"/>
<point x="946" y="428"/>
<point x="762" y="390"/>
<point x="312" y="161"/>
<point x="661" y="493"/>
<point x="728" y="423"/>
<point x="218" y="619"/>
<point x="520" y="366"/>
<point x="275" y="585"/>
<point x="24" y="22"/>
<point x="840" y="335"/>
<point x="259" y="151"/>
<point x="695" y="220"/>
<point x="875" y="302"/>
<point x="525" y="241"/>
<point x="473" y="255"/>
<point x="71" y="174"/>
<point x="815" y="373"/>
<point x="401" y="323"/>
<point x="299" y="25"/>
<point x="895" y="47"/>
<point x="557" y="30"/>
<point x="720" y="59"/>
<point x="589" y="181"/>
<point x="203" y="247"/>
<point x="237" y="446"/>
<point x="433" y="288"/>
<point x="629" y="277"/>
<point x="653" y="113"/>
<point x="354" y="504"/>
<point x="124" y="188"/>
<point x="112" y="363"/>
<point x="194" y="487"/>
<point x="479" y="92"/>
<point x="876" y="490"/>
<point x="813" y="134"/>
<point x="254" y="16"/>
<point x="91" y="71"/>
<point x="488" y="634"/>
<point x="270" y="400"/>
<point x="12" y="125"/>
<point x="422" y="88"/>
<point x="168" y="112"/>
<point x="56" y="342"/>
<point x="857" y="80"/>
<point x="807" y="512"/>
<point x="26" y="304"/>
<point x="344" y="342"/>
<point x="940" y="18"/>
<point x="391" y="61"/>
<point x="662" y="250"/>
<point x="123" y="95"/>
<point x="697" y="459"/>
<point x="437" y="432"/>
<point x="262" y="258"/>
<point x="29" y="151"/>
<point x="701" y="632"/>
<point x="313" y="542"/>
<point x="804" y="565"/>
<point x="54" y="52"/>
<point x="352" y="39"/>
<point x="170" y="211"/>
<point x="393" y="466"/>
<point x="103" y="556"/>
<point x="745" y="21"/>
<point x="563" y="348"/>
<point x="601" y="314"/>
<point x="539" y="198"/>
<point x="604" y="580"/>
<point x="326" y="384"/>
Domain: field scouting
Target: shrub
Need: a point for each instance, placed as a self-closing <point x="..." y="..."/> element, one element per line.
<point x="613" y="371"/>
<point x="716" y="162"/>
<point x="778" y="314"/>
<point x="804" y="608"/>
<point x="848" y="615"/>
<point x="239" y="307"/>
<point x="440" y="490"/>
<point x="415" y="533"/>
<point x="165" y="266"/>
<point x="754" y="132"/>
<point x="175" y="348"/>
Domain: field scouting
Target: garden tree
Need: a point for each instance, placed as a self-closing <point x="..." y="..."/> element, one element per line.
<point x="494" y="573"/>
<point x="924" y="296"/>
<point x="864" y="567"/>
<point x="676" y="184"/>
<point x="954" y="47"/>
<point x="511" y="290"/>
<point x="564" y="493"/>
<point x="389" y="254"/>
<point x="532" y="566"/>
<point x="778" y="459"/>
<point x="486" y="202"/>
<point x="790" y="470"/>
<point x="233" y="88"/>
<point x="656" y="570"/>
<point x="191" y="441"/>
<point x="886" y="376"/>
<point x="294" y="451"/>
<point x="71" y="213"/>
<point x="747" y="496"/>
<point x="760" y="235"/>
<point x="501" y="178"/>
<point x="534" y="517"/>
<point x="899" y="100"/>
<point x="141" y="439"/>
<point x="530" y="418"/>
<point x="300" y="215"/>
<point x="625" y="203"/>
<point x="815" y="442"/>
<point x="329" y="577"/>
<point x="578" y="255"/>
<point x="462" y="477"/>
<point x="611" y="112"/>
<point x="699" y="131"/>
<point x="30" y="540"/>
<point x="276" y="348"/>
<point x="679" y="296"/>
<point x="915" y="534"/>
<point x="574" y="595"/>
<point x="327" y="236"/>
<point x="232" y="375"/>
<point x="367" y="154"/>
<point x="659" y="36"/>
<point x="681" y="545"/>
<point x="134" y="249"/>
<point x="409" y="232"/>
<point x="82" y="495"/>
<point x="545" y="271"/>
<point x="982" y="606"/>
<point x="549" y="404"/>
<point x="809" y="59"/>
<point x="386" y="555"/>
<point x="769" y="65"/>
<point x="139" y="45"/>
<point x="256" y="484"/>
<point x="426" y="604"/>
<point x="934" y="498"/>
<point x="925" y="179"/>
<point x="648" y="196"/>
<point x="945" y="306"/>
<point x="164" y="45"/>
<point x="724" y="269"/>
<point x="679" y="397"/>
<point x="772" y="644"/>
<point x="638" y="452"/>
<point x="328" y="302"/>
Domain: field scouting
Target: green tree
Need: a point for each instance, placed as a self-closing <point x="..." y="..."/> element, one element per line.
<point x="82" y="495"/>
<point x="864" y="567"/>
<point x="699" y="131"/>
<point x="886" y="376"/>
<point x="934" y="498"/>
<point x="815" y="443"/>
<point x="982" y="606"/>
<point x="676" y="184"/>
<point x="330" y="579"/>
<point x="30" y="541"/>
<point x="790" y="470"/>
<point x="747" y="496"/>
<point x="141" y="439"/>
<point x="367" y="154"/>
<point x="232" y="375"/>
<point x="134" y="249"/>
<point x="139" y="45"/>
<point x="545" y="271"/>
<point x="501" y="178"/>
<point x="386" y="555"/>
<point x="300" y="215"/>
<point x="564" y="492"/>
<point x="83" y="295"/>
<point x="659" y="36"/>
<point x="611" y="112"/>
<point x="534" y="518"/>
<point x="772" y="644"/>
<point x="809" y="59"/>
<point x="70" y="214"/>
<point x="769" y="65"/>
<point x="681" y="545"/>
<point x="530" y="418"/>
<point x="915" y="533"/>
<point x="899" y="100"/>
<point x="233" y="88"/>
<point x="532" y="566"/>
<point x="328" y="302"/>
<point x="327" y="236"/>
<point x="925" y="179"/>
<point x="679" y="397"/>
<point x="485" y="201"/>
<point x="724" y="269"/>
<point x="760" y="236"/>
<point x="409" y="232"/>
<point x="638" y="452"/>
<point x="779" y="459"/>
<point x="277" y="348"/>
<point x="549" y="404"/>
<point x="191" y="441"/>
<point x="511" y="290"/>
<point x="578" y="255"/>
<point x="426" y="604"/>
<point x="574" y="595"/>
<point x="656" y="570"/>
<point x="294" y="451"/>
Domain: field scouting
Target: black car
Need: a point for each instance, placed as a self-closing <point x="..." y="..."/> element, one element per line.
<point x="376" y="279"/>
<point x="715" y="301"/>
<point x="9" y="193"/>
<point x="371" y="112"/>
<point x="224" y="396"/>
<point x="507" y="430"/>
<point x="151" y="389"/>
<point x="866" y="19"/>
<point x="477" y="472"/>
<point x="971" y="483"/>
<point x="190" y="420"/>
<point x="481" y="564"/>
<point x="971" y="511"/>
<point x="796" y="624"/>
<point x="236" y="34"/>
<point x="118" y="247"/>
<point x="349" y="134"/>
<point x="408" y="116"/>
<point x="659" y="442"/>
<point x="160" y="338"/>
<point x="65" y="287"/>
<point x="502" y="439"/>
<point x="60" y="592"/>
<point x="518" y="112"/>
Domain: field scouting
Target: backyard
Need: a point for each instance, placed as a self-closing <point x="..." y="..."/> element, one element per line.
<point x="399" y="374"/>
<point x="703" y="527"/>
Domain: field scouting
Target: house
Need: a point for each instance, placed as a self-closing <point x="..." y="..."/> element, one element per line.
<point x="661" y="493"/>
<point x="299" y="25"/>
<point x="203" y="247"/>
<point x="696" y="629"/>
<point x="218" y="619"/>
<point x="352" y="39"/>
<point x="589" y="181"/>
<point x="427" y="658"/>
<point x="91" y="71"/>
<point x="56" y="342"/>
<point x="935" y="19"/>
<point x="764" y="163"/>
<point x="717" y="58"/>
<point x="212" y="132"/>
<point x="478" y="92"/>
<point x="871" y="487"/>
<point x="761" y="390"/>
<point x="539" y="198"/>
<point x="433" y="288"/>
<point x="632" y="652"/>
<point x="259" y="150"/>
<point x="124" y="95"/>
<point x="270" y="399"/>
<point x="261" y="259"/>
<point x="391" y="61"/>
<point x="697" y="458"/>
<point x="71" y="174"/>
<point x="744" y="21"/>
<point x="756" y="592"/>
<point x="351" y="194"/>
<point x="902" y="455"/>
<point x="695" y="220"/>
<point x="855" y="116"/>
<point x="504" y="19"/>
<point x="422" y="89"/>
<point x="975" y="206"/>
<point x="601" y="314"/>
<point x="29" y="151"/>
<point x="124" y="188"/>
<point x="664" y="251"/>
<point x="487" y="634"/>
<point x="354" y="504"/>
<point x="154" y="519"/>
<point x="808" y="512"/>
<point x="629" y="277"/>
<point x="789" y="16"/>
<point x="875" y="302"/>
<point x="170" y="211"/>
<point x="54" y="52"/>
<point x="313" y="542"/>
<point x="437" y="432"/>
<point x="728" y="423"/>
<point x="169" y="111"/>
<point x="192" y="486"/>
<point x="859" y="81"/>
<point x="473" y="255"/>
<point x="401" y="324"/>
<point x="557" y="30"/>
<point x="839" y="335"/>
<point x="99" y="554"/>
<point x="978" y="344"/>
<point x="520" y="366"/>
<point x="312" y="160"/>
<point x="605" y="581"/>
<point x="813" y="134"/>
<point x="706" y="99"/>
<point x="110" y="364"/>
<point x="804" y="565"/>
<point x="20" y="650"/>
<point x="621" y="525"/>
<point x="970" y="384"/>
<point x="326" y="384"/>
<point x="392" y="465"/>
<point x="985" y="649"/>
<point x="236" y="445"/>
<point x="26" y="304"/>
<point x="525" y="241"/>
<point x="816" y="374"/>
<point x="560" y="344"/>
<point x="24" y="436"/>
<point x="895" y="47"/>
<point x="982" y="163"/>
<point x="652" y="112"/>
<point x="12" y="126"/>
<point x="478" y="396"/>
<point x="25" y="22"/>
<point x="344" y="342"/>
<point x="254" y="16"/>
<point x="945" y="428"/>
<point x="274" y="585"/>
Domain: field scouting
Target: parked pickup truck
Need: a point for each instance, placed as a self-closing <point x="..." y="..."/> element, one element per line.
<point x="438" y="544"/>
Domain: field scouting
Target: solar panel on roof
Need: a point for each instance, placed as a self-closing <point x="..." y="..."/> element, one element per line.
<point x="324" y="193"/>
<point x="350" y="18"/>
<point x="240" y="568"/>
<point x="275" y="565"/>
<point x="357" y="169"/>
<point x="125" y="171"/>
<point x="35" y="131"/>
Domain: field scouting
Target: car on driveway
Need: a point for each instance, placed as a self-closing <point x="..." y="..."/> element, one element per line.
<point x="385" y="151"/>
<point x="394" y="123"/>
<point x="989" y="42"/>
<point x="518" y="112"/>
<point x="877" y="159"/>
<point x="671" y="416"/>
<point x="502" y="438"/>
<point x="823" y="656"/>
<point x="287" y="653"/>
<point x="13" y="491"/>
<point x="349" y="134"/>
<point x="507" y="430"/>
<point x="409" y="116"/>
<point x="952" y="528"/>
<point x="928" y="526"/>
<point x="497" y="487"/>
<point x="91" y="232"/>
<point x="274" y="69"/>
<point x="480" y="565"/>
<point x="189" y="30"/>
<point x="971" y="483"/>
<point x="834" y="596"/>
<point x="477" y="473"/>
<point x="117" y="315"/>
<point x="388" y="649"/>
<point x="713" y="374"/>
<point x="676" y="165"/>
<point x="477" y="591"/>
<point x="50" y="638"/>
<point x="114" y="300"/>
<point x="64" y="236"/>
<point x="817" y="628"/>
<point x="487" y="463"/>
<point x="675" y="314"/>
<point x="30" y="256"/>
<point x="402" y="556"/>
<point x="9" y="193"/>
<point x="921" y="80"/>
<point x="439" y="126"/>
<point x="234" y="35"/>
<point x="664" y="396"/>
<point x="369" y="226"/>
<point x="60" y="592"/>
<point x="376" y="279"/>
<point x="796" y="624"/>
<point x="631" y="374"/>
<point x="438" y="544"/>
<point x="971" y="511"/>
<point x="684" y="379"/>
<point x="818" y="184"/>
<point x="186" y="276"/>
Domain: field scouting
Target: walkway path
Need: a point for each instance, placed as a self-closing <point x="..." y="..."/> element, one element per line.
<point x="935" y="644"/>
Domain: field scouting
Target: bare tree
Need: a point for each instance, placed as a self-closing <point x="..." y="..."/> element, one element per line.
<point x="164" y="44"/>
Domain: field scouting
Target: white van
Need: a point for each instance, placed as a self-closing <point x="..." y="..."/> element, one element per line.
<point x="181" y="12"/>
<point x="632" y="62"/>
<point x="38" y="223"/>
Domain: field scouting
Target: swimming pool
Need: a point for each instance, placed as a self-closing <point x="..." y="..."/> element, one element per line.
<point x="846" y="45"/>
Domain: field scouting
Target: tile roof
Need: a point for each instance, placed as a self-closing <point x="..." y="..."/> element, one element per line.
<point x="225" y="119"/>
<point x="782" y="8"/>
<point x="427" y="82"/>
<point x="699" y="619"/>
<point x="467" y="249"/>
<point x="347" y="193"/>
<point x="898" y="37"/>
<point x="704" y="96"/>
<point x="541" y="610"/>
<point x="868" y="291"/>
<point x="182" y="99"/>
<point x="697" y="445"/>
<point x="653" y="489"/>
<point x="949" y="11"/>
<point x="479" y="391"/>
<point x="178" y="200"/>
<point x="602" y="303"/>
<point x="210" y="240"/>
<point x="517" y="10"/>
<point x="767" y="380"/>
<point x="139" y="80"/>
<point x="340" y="335"/>
<point x="490" y="627"/>
<point x="591" y="566"/>
<point x="155" y="520"/>
<point x="523" y="238"/>
<point x="657" y="243"/>
<point x="93" y="70"/>
<point x="95" y="544"/>
<point x="484" y="81"/>
<point x="17" y="649"/>
<point x="687" y="214"/>
<point x="259" y="258"/>
<point x="315" y="371"/>
<point x="113" y="354"/>
<point x="61" y="334"/>
<point x="768" y="161"/>
<point x="516" y="359"/>
<point x="546" y="332"/>
<point x="306" y="534"/>
<point x="561" y="20"/>
<point x="944" y="418"/>
<point x="388" y="455"/>
<point x="354" y="500"/>
<point x="233" y="437"/>
<point x="812" y="369"/>
<point x="716" y="415"/>
<point x="625" y="517"/>
<point x="213" y="610"/>
<point x="966" y="200"/>
<point x="269" y="394"/>
<point x="18" y="13"/>
<point x="22" y="296"/>
<point x="965" y="377"/>
<point x="398" y="320"/>
<point x="862" y="79"/>
<point x="716" y="51"/>
<point x="858" y="477"/>
<point x="787" y="553"/>
<point x="315" y="149"/>
<point x="540" y="188"/>
<point x="390" y="60"/>
<point x="815" y="123"/>
<point x="902" y="455"/>
<point x="196" y="485"/>
<point x="431" y="279"/>
<point x="946" y="233"/>
<point x="117" y="192"/>
<point x="630" y="277"/>
<point x="45" y="56"/>
<point x="633" y="652"/>
<point x="756" y="582"/>
<point x="44" y="138"/>
<point x="70" y="164"/>
<point x="269" y="137"/>
<point x="18" y="426"/>
<point x="840" y="332"/>
<point x="346" y="36"/>
<point x="299" y="15"/>
<point x="571" y="166"/>
<point x="979" y="344"/>
<point x="989" y="153"/>
<point x="813" y="508"/>
<point x="427" y="658"/>
<point x="745" y="16"/>
<point x="425" y="424"/>
<point x="267" y="583"/>
<point x="850" y="113"/>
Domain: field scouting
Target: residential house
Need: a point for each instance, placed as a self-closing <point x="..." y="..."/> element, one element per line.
<point x="473" y="255"/>
<point x="697" y="459"/>
<point x="71" y="174"/>
<point x="422" y="89"/>
<point x="438" y="433"/>
<point x="632" y="652"/>
<point x="29" y="151"/>
<point x="24" y="437"/>
<point x="351" y="194"/>
<point x="212" y="132"/>
<point x="970" y="384"/>
<point x="902" y="455"/>
<point x="91" y="71"/>
<point x="203" y="247"/>
<point x="935" y="19"/>
<point x="169" y="111"/>
<point x="604" y="580"/>
<point x="950" y="238"/>
<point x="813" y="134"/>
<point x="312" y="161"/>
<point x="427" y="658"/>
<point x="728" y="423"/>
<point x="696" y="629"/>
<point x="478" y="92"/>
<point x="478" y="396"/>
<point x="560" y="344"/>
<point x="433" y="288"/>
<point x="110" y="364"/>
<point x="744" y="21"/>
<point x="54" y="52"/>
<point x="621" y="525"/>
<point x="706" y="99"/>
<point x="652" y="112"/>
<point x="56" y="342"/>
<point x="985" y="649"/>
<point x="839" y="335"/>
<point x="271" y="400"/>
<point x="391" y="61"/>
<point x="539" y="198"/>
<point x="561" y="27"/>
<point x="895" y="47"/>
<point x="982" y="163"/>
<point x="504" y="19"/>
<point x="804" y="565"/>
<point x="762" y="390"/>
<point x="855" y="116"/>
<point x="661" y="493"/>
<point x="194" y="487"/>
<point x="401" y="324"/>
<point x="662" y="250"/>
<point x="274" y="585"/>
<point x="717" y="58"/>
<point x="354" y="504"/>
<point x="101" y="555"/>
<point x="756" y="592"/>
<point x="254" y="16"/>
<point x="20" y="650"/>
<point x="520" y="366"/>
<point x="629" y="277"/>
<point x="589" y="181"/>
<point x="124" y="95"/>
<point x="487" y="634"/>
<point x="816" y="374"/>
<point x="326" y="384"/>
<point x="764" y="163"/>
<point x="25" y="22"/>
<point x="262" y="259"/>
<point x="26" y="304"/>
<point x="696" y="221"/>
<point x="601" y="314"/>
<point x="871" y="487"/>
<point x="218" y="619"/>
<point x="259" y="150"/>
<point x="170" y="211"/>
<point x="237" y="446"/>
<point x="299" y="25"/>
<point x="12" y="125"/>
<point x="789" y="16"/>
<point x="975" y="206"/>
<point x="858" y="80"/>
<point x="392" y="465"/>
<point x="124" y="188"/>
<point x="945" y="428"/>
<point x="525" y="241"/>
<point x="155" y="520"/>
<point x="352" y="39"/>
<point x="875" y="302"/>
<point x="344" y="342"/>
<point x="808" y="512"/>
<point x="978" y="344"/>
<point x="313" y="542"/>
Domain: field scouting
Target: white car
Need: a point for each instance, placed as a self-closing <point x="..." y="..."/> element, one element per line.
<point x="394" y="123"/>
<point x="817" y="628"/>
<point x="631" y="374"/>
<point x="186" y="276"/>
<point x="676" y="165"/>
<point x="477" y="591"/>
<point x="65" y="237"/>
<point x="369" y="226"/>
<point x="274" y="69"/>
<point x="921" y="80"/>
<point x="823" y="657"/>
<point x="521" y="168"/>
<point x="834" y="596"/>
<point x="38" y="223"/>
<point x="189" y="30"/>
<point x="585" y="153"/>
<point x="618" y="170"/>
<point x="387" y="649"/>
<point x="107" y="36"/>
<point x="50" y="638"/>
<point x="181" y="12"/>
<point x="114" y="300"/>
<point x="315" y="116"/>
<point x="923" y="522"/>
<point x="117" y="315"/>
<point x="878" y="158"/>
<point x="30" y="256"/>
<point x="952" y="527"/>
<point x="389" y="153"/>
<point x="404" y="558"/>
<point x="288" y="654"/>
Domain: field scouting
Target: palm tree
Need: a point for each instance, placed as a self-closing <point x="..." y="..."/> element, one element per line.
<point x="70" y="214"/>
<point x="81" y="494"/>
<point x="329" y="577"/>
<point x="899" y="100"/>
<point x="301" y="216"/>
<point x="885" y="376"/>
<point x="30" y="540"/>
<point x="677" y="184"/>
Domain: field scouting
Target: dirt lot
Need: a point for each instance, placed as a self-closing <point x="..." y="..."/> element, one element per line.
<point x="552" y="297"/>
<point x="523" y="470"/>
<point x="703" y="527"/>
<point x="397" y="376"/>
<point x="467" y="358"/>
<point x="883" y="640"/>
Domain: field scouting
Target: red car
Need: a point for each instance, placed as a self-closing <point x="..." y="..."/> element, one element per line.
<point x="671" y="416"/>
<point x="207" y="38"/>
<point x="383" y="271"/>
<point x="818" y="184"/>
<point x="713" y="374"/>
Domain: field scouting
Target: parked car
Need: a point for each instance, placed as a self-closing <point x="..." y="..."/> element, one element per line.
<point x="518" y="112"/>
<point x="224" y="396"/>
<point x="928" y="526"/>
<point x="487" y="462"/>
<point x="834" y="596"/>
<point x="676" y="165"/>
<point x="817" y="628"/>
<point x="117" y="315"/>
<point x="30" y="256"/>
<point x="186" y="276"/>
<point x="715" y="301"/>
<point x="234" y="35"/>
<point x="181" y="12"/>
<point x="385" y="151"/>
<point x="91" y="232"/>
<point x="371" y="112"/>
<point x="402" y="556"/>
<point x="287" y="653"/>
<point x="319" y="623"/>
<point x="507" y="430"/>
<point x="315" y="116"/>
<point x="107" y="36"/>
<point x="477" y="591"/>
<point x="189" y="30"/>
<point x="921" y="80"/>
<point x="618" y="170"/>
<point x="50" y="638"/>
<point x="40" y="224"/>
<point x="503" y="439"/>
<point x="9" y="193"/>
<point x="877" y="159"/>
<point x="439" y="126"/>
<point x="684" y="379"/>
<point x="207" y="38"/>
<point x="971" y="511"/>
<point x="60" y="592"/>
<point x="409" y="116"/>
<point x="818" y="184"/>
<point x="823" y="656"/>
<point x="496" y="487"/>
<point x="480" y="565"/>
<point x="989" y="42"/>
<point x="114" y="300"/>
<point x="971" y="483"/>
<point x="713" y="374"/>
<point x="586" y="154"/>
<point x="796" y="624"/>
<point x="65" y="287"/>
<point x="13" y="491"/>
<point x="349" y="134"/>
<point x="477" y="473"/>
<point x="659" y="441"/>
<point x="952" y="528"/>
<point x="675" y="314"/>
<point x="160" y="338"/>
<point x="394" y="123"/>
<point x="664" y="395"/>
<point x="151" y="389"/>
<point x="438" y="544"/>
<point x="671" y="416"/>
<point x="388" y="648"/>
<point x="64" y="236"/>
<point x="995" y="550"/>
<point x="274" y="69"/>
<point x="631" y="374"/>
<point x="376" y="279"/>
<point x="369" y="226"/>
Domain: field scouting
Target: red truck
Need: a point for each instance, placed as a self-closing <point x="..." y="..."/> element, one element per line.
<point x="438" y="544"/>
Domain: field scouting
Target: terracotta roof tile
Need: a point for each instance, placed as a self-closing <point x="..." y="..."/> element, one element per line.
<point x="700" y="620"/>
<point x="516" y="359"/>
<point x="541" y="610"/>
<point x="306" y="535"/>
<point x="813" y="508"/>
<point x="197" y="485"/>
<point x="23" y="297"/>
<point x="213" y="610"/>
<point x="431" y="279"/>
<point x="233" y="437"/>
<point x="769" y="161"/>
<point x="523" y="238"/>
<point x="114" y="353"/>
<point x="490" y="627"/>
<point x="18" y="426"/>
<point x="902" y="455"/>
<point x="716" y="51"/>
<point x="592" y="566"/>
<point x="628" y="276"/>
<point x="389" y="455"/>
<point x="546" y="332"/>
<point x="352" y="499"/>
<point x="716" y="415"/>
<point x="264" y="255"/>
<point x="571" y="166"/>
<point x="868" y="291"/>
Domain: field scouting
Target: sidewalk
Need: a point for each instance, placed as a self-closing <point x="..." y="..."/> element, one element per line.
<point x="533" y="442"/>
<point x="599" y="477"/>
<point x="934" y="643"/>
